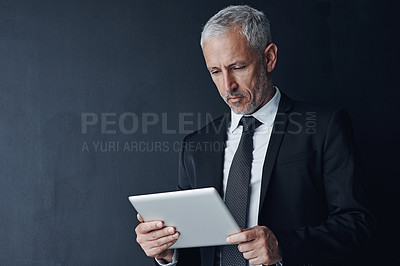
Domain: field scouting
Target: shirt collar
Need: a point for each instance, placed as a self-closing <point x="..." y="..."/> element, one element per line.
<point x="265" y="114"/>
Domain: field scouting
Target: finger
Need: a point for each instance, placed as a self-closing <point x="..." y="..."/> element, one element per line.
<point x="140" y="218"/>
<point x="160" y="242"/>
<point x="155" y="251"/>
<point x="147" y="227"/>
<point x="156" y="234"/>
<point x="244" y="236"/>
<point x="250" y="255"/>
<point x="246" y="247"/>
<point x="256" y="261"/>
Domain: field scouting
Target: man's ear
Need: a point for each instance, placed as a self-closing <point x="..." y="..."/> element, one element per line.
<point x="270" y="57"/>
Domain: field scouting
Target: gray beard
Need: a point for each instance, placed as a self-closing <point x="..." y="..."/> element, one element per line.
<point x="260" y="95"/>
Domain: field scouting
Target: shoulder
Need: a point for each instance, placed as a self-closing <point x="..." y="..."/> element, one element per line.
<point x="326" y="114"/>
<point x="315" y="109"/>
<point x="215" y="127"/>
<point x="312" y="117"/>
<point x="293" y="107"/>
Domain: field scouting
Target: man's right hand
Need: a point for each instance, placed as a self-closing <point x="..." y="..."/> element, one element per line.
<point x="155" y="239"/>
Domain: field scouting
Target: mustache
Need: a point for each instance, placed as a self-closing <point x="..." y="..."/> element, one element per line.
<point x="234" y="94"/>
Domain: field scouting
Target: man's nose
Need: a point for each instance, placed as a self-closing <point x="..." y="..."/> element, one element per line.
<point x="230" y="83"/>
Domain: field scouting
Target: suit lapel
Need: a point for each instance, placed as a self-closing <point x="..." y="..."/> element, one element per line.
<point x="275" y="141"/>
<point x="212" y="170"/>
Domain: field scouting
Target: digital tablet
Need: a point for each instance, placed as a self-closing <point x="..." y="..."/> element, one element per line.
<point x="199" y="215"/>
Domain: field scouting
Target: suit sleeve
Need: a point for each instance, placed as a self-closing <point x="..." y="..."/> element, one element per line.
<point x="349" y="225"/>
<point x="187" y="256"/>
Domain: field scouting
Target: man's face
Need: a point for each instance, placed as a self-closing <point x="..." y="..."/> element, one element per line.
<point x="237" y="71"/>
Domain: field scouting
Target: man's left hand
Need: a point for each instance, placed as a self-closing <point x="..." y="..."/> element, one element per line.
<point x="258" y="245"/>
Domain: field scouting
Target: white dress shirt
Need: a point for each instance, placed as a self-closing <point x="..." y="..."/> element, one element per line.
<point x="266" y="115"/>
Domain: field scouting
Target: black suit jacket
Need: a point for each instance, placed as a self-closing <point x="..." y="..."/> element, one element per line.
<point x="311" y="196"/>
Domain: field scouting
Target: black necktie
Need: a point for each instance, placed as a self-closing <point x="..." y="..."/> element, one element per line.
<point x="238" y="188"/>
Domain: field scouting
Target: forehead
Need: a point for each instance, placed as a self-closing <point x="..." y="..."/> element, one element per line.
<point x="227" y="48"/>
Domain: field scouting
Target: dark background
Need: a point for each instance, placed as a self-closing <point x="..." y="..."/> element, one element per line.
<point x="61" y="205"/>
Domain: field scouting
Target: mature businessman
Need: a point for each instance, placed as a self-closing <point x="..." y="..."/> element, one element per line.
<point x="289" y="172"/>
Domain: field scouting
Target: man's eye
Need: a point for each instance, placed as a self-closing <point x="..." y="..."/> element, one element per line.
<point x="214" y="72"/>
<point x="238" y="68"/>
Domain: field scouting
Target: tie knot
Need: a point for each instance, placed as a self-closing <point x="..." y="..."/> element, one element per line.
<point x="249" y="124"/>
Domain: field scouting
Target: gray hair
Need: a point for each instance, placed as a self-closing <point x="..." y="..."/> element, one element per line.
<point x="252" y="23"/>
